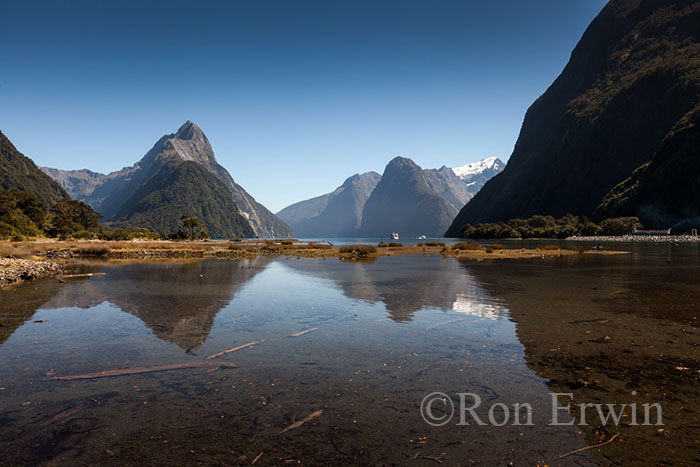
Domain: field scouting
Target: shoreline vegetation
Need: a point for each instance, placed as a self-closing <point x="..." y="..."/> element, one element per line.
<point x="31" y="259"/>
<point x="568" y="227"/>
<point x="549" y="227"/>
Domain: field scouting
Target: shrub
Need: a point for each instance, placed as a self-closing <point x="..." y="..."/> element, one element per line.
<point x="548" y="227"/>
<point x="431" y="244"/>
<point x="395" y="244"/>
<point x="359" y="250"/>
<point x="318" y="246"/>
<point x="620" y="226"/>
<point x="128" y="234"/>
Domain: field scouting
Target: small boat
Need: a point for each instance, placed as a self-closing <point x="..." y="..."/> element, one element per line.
<point x="421" y="237"/>
<point x="394" y="236"/>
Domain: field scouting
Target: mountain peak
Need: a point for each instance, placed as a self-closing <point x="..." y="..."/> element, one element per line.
<point x="475" y="168"/>
<point x="400" y="165"/>
<point x="189" y="130"/>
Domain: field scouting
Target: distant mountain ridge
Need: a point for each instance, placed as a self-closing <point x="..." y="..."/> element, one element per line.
<point x="118" y="194"/>
<point x="617" y="132"/>
<point x="335" y="214"/>
<point x="405" y="201"/>
<point x="20" y="173"/>
<point x="341" y="212"/>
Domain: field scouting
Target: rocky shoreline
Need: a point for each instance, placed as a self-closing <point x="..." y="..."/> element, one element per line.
<point x="13" y="270"/>
<point x="641" y="239"/>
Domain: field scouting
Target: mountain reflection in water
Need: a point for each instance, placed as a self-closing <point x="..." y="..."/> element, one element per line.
<point x="176" y="301"/>
<point x="433" y="282"/>
<point x="614" y="329"/>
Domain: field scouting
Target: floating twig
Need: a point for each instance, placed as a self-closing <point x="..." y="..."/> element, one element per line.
<point x="301" y="333"/>
<point x="612" y="438"/>
<point x="134" y="371"/>
<point x="91" y="274"/>
<point x="257" y="457"/>
<point x="249" y="344"/>
<point x="308" y="418"/>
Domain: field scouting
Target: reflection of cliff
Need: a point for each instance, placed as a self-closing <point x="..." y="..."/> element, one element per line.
<point x="177" y="301"/>
<point x="19" y="302"/>
<point x="407" y="284"/>
<point x="582" y="327"/>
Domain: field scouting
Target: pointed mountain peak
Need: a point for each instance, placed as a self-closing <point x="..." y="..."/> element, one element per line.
<point x="189" y="130"/>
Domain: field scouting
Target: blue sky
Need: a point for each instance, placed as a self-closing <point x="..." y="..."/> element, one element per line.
<point x="294" y="95"/>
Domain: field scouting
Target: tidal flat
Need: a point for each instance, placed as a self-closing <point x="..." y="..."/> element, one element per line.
<point x="277" y="360"/>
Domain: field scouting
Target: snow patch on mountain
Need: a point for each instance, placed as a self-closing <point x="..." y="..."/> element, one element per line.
<point x="468" y="171"/>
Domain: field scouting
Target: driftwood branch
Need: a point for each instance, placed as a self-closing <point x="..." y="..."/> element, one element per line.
<point x="301" y="333"/>
<point x="308" y="418"/>
<point x="249" y="344"/>
<point x="134" y="371"/>
<point x="91" y="274"/>
<point x="612" y="438"/>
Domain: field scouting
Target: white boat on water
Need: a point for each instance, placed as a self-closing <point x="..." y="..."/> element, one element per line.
<point x="394" y="236"/>
<point x="421" y="237"/>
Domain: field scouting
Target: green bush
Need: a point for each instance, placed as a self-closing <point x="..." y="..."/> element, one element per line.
<point x="548" y="227"/>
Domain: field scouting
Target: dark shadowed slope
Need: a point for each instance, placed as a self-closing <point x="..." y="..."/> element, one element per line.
<point x="404" y="202"/>
<point x="629" y="92"/>
<point x="19" y="173"/>
<point x="184" y="188"/>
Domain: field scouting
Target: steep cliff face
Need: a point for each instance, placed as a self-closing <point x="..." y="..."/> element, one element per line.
<point x="404" y="202"/>
<point x="631" y="83"/>
<point x="20" y="173"/>
<point x="80" y="184"/>
<point x="113" y="194"/>
<point x="341" y="212"/>
<point x="183" y="188"/>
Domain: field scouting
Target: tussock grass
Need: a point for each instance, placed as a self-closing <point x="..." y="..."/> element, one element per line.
<point x="359" y="250"/>
<point x="431" y="244"/>
<point x="467" y="246"/>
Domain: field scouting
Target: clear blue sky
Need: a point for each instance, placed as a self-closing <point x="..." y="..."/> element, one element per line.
<point x="294" y="95"/>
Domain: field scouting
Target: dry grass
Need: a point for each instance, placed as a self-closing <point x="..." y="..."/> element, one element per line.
<point x="178" y="250"/>
<point x="470" y="246"/>
<point x="93" y="250"/>
<point x="440" y="244"/>
<point x="359" y="250"/>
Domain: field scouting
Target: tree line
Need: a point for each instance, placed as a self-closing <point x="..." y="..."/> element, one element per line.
<point x="549" y="227"/>
<point x="23" y="216"/>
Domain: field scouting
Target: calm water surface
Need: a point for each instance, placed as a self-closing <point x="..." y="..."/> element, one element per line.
<point x="389" y="333"/>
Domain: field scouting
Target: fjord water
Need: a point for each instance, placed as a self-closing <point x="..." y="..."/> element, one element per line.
<point x="390" y="331"/>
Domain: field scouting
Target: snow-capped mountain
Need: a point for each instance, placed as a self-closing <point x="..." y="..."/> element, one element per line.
<point x="471" y="171"/>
